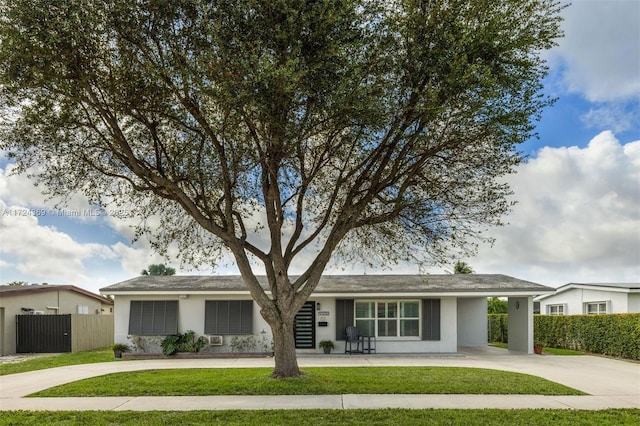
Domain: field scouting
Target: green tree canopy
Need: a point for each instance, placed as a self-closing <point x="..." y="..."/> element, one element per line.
<point x="284" y="132"/>
<point x="495" y="305"/>
<point x="18" y="283"/>
<point x="462" y="268"/>
<point x="158" y="270"/>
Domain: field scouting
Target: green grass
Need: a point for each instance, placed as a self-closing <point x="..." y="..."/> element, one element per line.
<point x="40" y="363"/>
<point x="315" y="381"/>
<point x="326" y="417"/>
<point x="548" y="351"/>
<point x="558" y="351"/>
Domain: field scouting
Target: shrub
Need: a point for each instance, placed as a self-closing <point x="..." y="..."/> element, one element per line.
<point x="182" y="343"/>
<point x="121" y="347"/>
<point x="611" y="334"/>
<point x="498" y="330"/>
<point x="326" y="344"/>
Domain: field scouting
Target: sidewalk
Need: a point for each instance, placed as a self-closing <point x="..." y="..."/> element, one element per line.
<point x="610" y="383"/>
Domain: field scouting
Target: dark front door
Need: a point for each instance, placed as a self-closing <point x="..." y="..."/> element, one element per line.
<point x="304" y="330"/>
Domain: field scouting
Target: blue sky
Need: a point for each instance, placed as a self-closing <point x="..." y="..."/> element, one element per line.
<point x="578" y="212"/>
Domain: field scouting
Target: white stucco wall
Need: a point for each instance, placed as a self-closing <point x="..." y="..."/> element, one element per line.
<point x="327" y="306"/>
<point x="575" y="298"/>
<point x="472" y="321"/>
<point x="520" y="310"/>
<point x="634" y="303"/>
<point x="191" y="317"/>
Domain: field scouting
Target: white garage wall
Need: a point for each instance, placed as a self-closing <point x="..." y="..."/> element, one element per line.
<point x="472" y="321"/>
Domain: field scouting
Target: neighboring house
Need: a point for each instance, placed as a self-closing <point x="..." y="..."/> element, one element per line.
<point x="405" y="313"/>
<point x="591" y="298"/>
<point x="44" y="299"/>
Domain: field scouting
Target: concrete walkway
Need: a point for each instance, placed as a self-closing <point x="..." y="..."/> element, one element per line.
<point x="609" y="383"/>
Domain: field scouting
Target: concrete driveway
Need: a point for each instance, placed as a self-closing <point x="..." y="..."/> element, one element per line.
<point x="610" y="384"/>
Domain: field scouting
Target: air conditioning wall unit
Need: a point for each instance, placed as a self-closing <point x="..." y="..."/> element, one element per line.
<point x="215" y="340"/>
<point x="38" y="313"/>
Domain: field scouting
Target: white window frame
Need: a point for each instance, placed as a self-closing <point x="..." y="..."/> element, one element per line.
<point x="598" y="305"/>
<point x="398" y="318"/>
<point x="559" y="309"/>
<point x="83" y="309"/>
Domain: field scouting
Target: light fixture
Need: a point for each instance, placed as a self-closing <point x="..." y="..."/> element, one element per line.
<point x="317" y="306"/>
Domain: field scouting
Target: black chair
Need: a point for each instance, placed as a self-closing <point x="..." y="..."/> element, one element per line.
<point x="352" y="340"/>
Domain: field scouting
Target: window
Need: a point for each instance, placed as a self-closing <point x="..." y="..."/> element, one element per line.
<point x="556" y="309"/>
<point x="595" y="308"/>
<point x="230" y="317"/>
<point x="83" y="309"/>
<point x="409" y="318"/>
<point x="388" y="318"/>
<point x="153" y="318"/>
<point x="366" y="318"/>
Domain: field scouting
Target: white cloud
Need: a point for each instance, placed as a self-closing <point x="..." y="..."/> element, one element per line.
<point x="42" y="251"/>
<point x="19" y="190"/>
<point x="577" y="217"/>
<point x="612" y="116"/>
<point x="600" y="53"/>
<point x="135" y="259"/>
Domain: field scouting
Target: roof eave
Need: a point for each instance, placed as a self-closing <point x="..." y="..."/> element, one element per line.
<point x="436" y="293"/>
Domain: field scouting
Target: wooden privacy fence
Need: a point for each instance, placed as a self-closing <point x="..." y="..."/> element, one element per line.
<point x="62" y="333"/>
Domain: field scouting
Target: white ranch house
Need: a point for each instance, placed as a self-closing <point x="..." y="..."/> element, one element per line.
<point x="400" y="313"/>
<point x="591" y="298"/>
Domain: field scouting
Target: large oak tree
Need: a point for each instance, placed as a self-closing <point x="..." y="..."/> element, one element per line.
<point x="367" y="129"/>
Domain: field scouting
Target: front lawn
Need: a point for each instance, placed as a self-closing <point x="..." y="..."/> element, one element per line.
<point x="326" y="417"/>
<point x="315" y="381"/>
<point x="40" y="363"/>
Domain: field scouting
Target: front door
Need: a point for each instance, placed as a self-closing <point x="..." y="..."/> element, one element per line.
<point x="304" y="330"/>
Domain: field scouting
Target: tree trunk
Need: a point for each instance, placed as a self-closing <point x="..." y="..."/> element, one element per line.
<point x="284" y="349"/>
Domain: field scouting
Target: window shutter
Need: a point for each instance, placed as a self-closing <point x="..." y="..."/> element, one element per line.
<point x="135" y="318"/>
<point x="246" y="317"/>
<point x="153" y="317"/>
<point x="431" y="319"/>
<point x="344" y="317"/>
<point x="171" y="317"/>
<point x="228" y="317"/>
<point x="222" y="320"/>
<point x="210" y="315"/>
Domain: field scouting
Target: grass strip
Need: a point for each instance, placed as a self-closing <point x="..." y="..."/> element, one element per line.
<point x="61" y="360"/>
<point x="315" y="381"/>
<point x="619" y="417"/>
<point x="545" y="350"/>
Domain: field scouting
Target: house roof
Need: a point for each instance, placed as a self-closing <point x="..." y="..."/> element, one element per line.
<point x="23" y="290"/>
<point x="614" y="287"/>
<point x="341" y="285"/>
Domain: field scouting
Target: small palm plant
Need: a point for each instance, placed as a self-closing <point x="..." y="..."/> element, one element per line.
<point x="327" y="345"/>
<point x="119" y="348"/>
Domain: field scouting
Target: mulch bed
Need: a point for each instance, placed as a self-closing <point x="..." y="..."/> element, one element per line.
<point x="196" y="355"/>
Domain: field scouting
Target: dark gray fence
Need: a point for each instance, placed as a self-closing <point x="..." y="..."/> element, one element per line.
<point x="43" y="333"/>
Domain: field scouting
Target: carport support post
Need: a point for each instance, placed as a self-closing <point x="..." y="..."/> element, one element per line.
<point x="520" y="310"/>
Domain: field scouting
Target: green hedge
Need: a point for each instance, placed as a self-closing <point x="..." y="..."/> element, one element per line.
<point x="613" y="334"/>
<point x="498" y="328"/>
